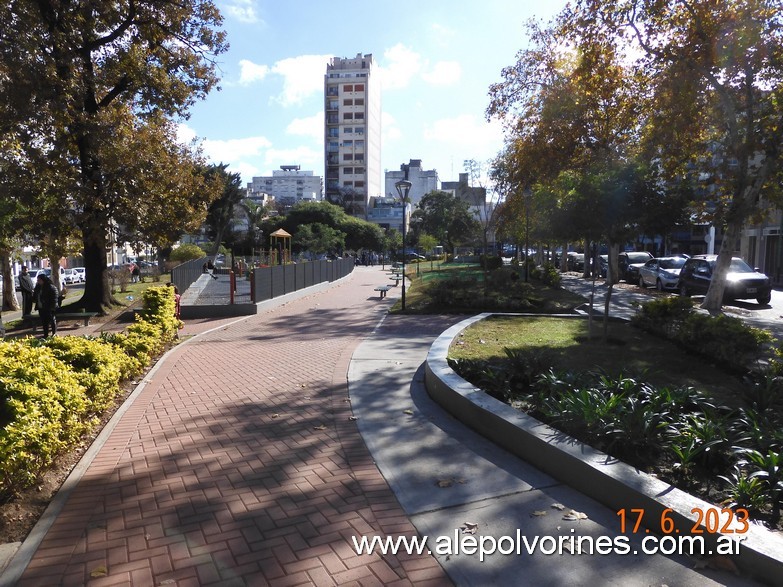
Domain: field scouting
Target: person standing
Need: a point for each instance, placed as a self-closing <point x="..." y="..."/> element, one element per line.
<point x="27" y="286"/>
<point x="46" y="299"/>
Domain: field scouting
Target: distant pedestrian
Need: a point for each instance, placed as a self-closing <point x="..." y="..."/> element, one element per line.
<point x="135" y="273"/>
<point x="177" y="300"/>
<point x="46" y="298"/>
<point x="211" y="269"/>
<point x="27" y="286"/>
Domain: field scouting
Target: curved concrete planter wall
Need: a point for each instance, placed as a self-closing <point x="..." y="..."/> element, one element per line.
<point x="592" y="472"/>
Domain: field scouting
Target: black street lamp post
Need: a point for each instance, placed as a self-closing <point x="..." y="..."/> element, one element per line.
<point x="403" y="189"/>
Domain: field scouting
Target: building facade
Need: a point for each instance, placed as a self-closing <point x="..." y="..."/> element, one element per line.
<point x="352" y="132"/>
<point x="422" y="181"/>
<point x="288" y="186"/>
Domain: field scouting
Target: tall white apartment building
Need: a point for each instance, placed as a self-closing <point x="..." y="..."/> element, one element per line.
<point x="288" y="185"/>
<point x="352" y="132"/>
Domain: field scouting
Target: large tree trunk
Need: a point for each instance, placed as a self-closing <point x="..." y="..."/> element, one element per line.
<point x="9" y="289"/>
<point x="97" y="291"/>
<point x="713" y="301"/>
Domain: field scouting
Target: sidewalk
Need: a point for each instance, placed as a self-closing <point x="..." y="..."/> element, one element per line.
<point x="242" y="460"/>
<point x="237" y="463"/>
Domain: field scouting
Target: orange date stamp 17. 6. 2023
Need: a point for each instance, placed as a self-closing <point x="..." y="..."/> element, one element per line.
<point x="708" y="521"/>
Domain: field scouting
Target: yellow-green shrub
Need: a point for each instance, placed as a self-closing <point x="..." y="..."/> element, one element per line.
<point x="159" y="308"/>
<point x="42" y="412"/>
<point x="98" y="366"/>
<point x="50" y="389"/>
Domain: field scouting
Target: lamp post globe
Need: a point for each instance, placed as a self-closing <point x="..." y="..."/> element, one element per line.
<point x="403" y="189"/>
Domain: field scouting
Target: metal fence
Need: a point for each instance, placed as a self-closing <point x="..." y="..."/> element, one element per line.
<point x="187" y="273"/>
<point x="271" y="282"/>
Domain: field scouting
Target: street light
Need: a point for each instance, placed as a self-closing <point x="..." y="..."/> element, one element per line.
<point x="403" y="189"/>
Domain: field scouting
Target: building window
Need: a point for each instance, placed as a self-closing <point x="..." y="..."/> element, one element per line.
<point x="331" y="91"/>
<point x="359" y="87"/>
<point x="359" y="130"/>
<point x="333" y="104"/>
<point x="347" y="102"/>
<point x="348" y="88"/>
<point x="359" y="116"/>
<point x="347" y="143"/>
<point x="348" y="130"/>
<point x="359" y="184"/>
<point x="347" y="156"/>
<point x="359" y="101"/>
<point x="347" y="115"/>
<point x="348" y="184"/>
<point x="348" y="170"/>
<point x="359" y="157"/>
<point x="358" y="170"/>
<point x="360" y="144"/>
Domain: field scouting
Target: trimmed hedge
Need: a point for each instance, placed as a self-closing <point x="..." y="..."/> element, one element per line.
<point x="53" y="390"/>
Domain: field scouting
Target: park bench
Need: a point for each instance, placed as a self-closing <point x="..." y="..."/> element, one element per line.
<point x="382" y="289"/>
<point x="85" y="317"/>
<point x="396" y="279"/>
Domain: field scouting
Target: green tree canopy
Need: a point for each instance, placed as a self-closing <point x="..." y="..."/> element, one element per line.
<point x="78" y="75"/>
<point x="448" y="218"/>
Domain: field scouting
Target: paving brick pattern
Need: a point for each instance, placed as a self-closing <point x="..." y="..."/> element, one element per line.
<point x="239" y="464"/>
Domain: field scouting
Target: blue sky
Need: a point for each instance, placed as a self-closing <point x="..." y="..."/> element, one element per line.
<point x="436" y="58"/>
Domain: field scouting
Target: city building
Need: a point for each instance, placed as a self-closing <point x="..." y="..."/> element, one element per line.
<point x="422" y="181"/>
<point x="287" y="186"/>
<point x="352" y="132"/>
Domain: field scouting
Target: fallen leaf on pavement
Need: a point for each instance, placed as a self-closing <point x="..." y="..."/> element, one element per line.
<point x="574" y="516"/>
<point x="558" y="506"/>
<point x="469" y="528"/>
<point x="538" y="513"/>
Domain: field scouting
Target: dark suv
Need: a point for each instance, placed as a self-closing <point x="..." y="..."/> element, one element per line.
<point x="742" y="281"/>
<point x="628" y="263"/>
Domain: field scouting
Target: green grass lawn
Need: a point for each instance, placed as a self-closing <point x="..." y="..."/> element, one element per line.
<point x="630" y="351"/>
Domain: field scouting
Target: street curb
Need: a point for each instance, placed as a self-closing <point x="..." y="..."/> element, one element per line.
<point x="593" y="473"/>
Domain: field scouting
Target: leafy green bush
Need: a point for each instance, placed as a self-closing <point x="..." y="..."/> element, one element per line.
<point x="723" y="339"/>
<point x="51" y="390"/>
<point x="42" y="412"/>
<point x="490" y="262"/>
<point x="97" y="366"/>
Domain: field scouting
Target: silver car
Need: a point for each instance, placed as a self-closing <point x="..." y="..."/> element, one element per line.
<point x="662" y="272"/>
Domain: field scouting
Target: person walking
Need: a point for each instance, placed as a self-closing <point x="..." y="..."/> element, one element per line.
<point x="46" y="300"/>
<point x="27" y="286"/>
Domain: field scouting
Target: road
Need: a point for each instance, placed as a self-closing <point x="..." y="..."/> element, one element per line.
<point x="625" y="300"/>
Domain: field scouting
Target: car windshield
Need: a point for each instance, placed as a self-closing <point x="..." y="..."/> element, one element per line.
<point x="737" y="266"/>
<point x="675" y="263"/>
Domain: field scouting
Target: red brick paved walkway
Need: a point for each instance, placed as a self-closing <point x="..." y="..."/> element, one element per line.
<point x="239" y="464"/>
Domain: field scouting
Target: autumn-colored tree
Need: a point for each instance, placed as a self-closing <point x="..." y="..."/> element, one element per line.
<point x="715" y="70"/>
<point x="78" y="74"/>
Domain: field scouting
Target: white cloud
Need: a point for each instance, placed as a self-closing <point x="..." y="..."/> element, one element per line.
<point x="402" y="65"/>
<point x="310" y="159"/>
<point x="312" y="127"/>
<point x="303" y="76"/>
<point x="185" y="134"/>
<point x="242" y="10"/>
<point x="251" y="72"/>
<point x="472" y="136"/>
<point x="390" y="130"/>
<point x="441" y="33"/>
<point x="444" y="73"/>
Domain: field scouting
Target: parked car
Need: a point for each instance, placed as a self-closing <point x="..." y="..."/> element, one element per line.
<point x="628" y="263"/>
<point x="575" y="261"/>
<point x="662" y="272"/>
<point x="81" y="272"/>
<point x="70" y="276"/>
<point x="742" y="281"/>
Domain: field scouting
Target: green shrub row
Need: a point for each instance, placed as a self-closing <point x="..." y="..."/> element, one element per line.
<point x="723" y="339"/>
<point x="53" y="390"/>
